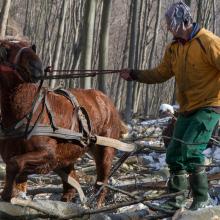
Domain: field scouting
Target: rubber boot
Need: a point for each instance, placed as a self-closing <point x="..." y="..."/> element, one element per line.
<point x="177" y="182"/>
<point x="199" y="186"/>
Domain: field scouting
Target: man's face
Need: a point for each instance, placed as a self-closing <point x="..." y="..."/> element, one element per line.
<point x="176" y="34"/>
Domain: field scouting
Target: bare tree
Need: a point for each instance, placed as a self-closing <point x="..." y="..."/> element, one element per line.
<point x="104" y="41"/>
<point x="60" y="34"/>
<point x="87" y="40"/>
<point x="155" y="36"/>
<point x="137" y="38"/>
<point x="188" y="2"/>
<point x="132" y="51"/>
<point x="4" y="17"/>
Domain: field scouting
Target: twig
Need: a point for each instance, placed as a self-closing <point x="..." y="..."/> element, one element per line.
<point x="113" y="207"/>
<point x="119" y="190"/>
<point x="116" y="167"/>
<point x="35" y="205"/>
<point x="199" y="143"/>
<point x="209" y="165"/>
<point x="44" y="190"/>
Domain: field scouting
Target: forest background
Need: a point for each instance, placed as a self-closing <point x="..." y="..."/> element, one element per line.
<point x="104" y="34"/>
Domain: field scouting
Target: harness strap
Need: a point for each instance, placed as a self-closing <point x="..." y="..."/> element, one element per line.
<point x="27" y="116"/>
<point x="29" y="133"/>
<point x="50" y="114"/>
<point x="83" y="117"/>
<point x="68" y="95"/>
<point x="67" y="134"/>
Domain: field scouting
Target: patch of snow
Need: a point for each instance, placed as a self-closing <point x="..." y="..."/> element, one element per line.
<point x="208" y="152"/>
<point x="145" y="159"/>
<point x="216" y="154"/>
<point x="214" y="170"/>
<point x="132" y="208"/>
<point x="155" y="121"/>
<point x="166" y="108"/>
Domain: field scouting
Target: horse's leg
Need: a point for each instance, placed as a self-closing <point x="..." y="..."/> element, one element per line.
<point x="25" y="163"/>
<point x="103" y="158"/>
<point x="21" y="185"/>
<point x="68" y="190"/>
<point x="11" y="172"/>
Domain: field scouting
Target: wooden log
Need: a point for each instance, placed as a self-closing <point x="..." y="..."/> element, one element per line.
<point x="55" y="189"/>
<point x="137" y="215"/>
<point x="53" y="209"/>
<point x="42" y="208"/>
<point x="212" y="213"/>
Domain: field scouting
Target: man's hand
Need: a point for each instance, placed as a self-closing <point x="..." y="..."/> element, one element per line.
<point x="126" y="74"/>
<point x="48" y="69"/>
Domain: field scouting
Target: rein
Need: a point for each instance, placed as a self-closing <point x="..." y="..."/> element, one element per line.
<point x="73" y="73"/>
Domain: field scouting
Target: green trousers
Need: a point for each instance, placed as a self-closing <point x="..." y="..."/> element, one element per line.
<point x="193" y="132"/>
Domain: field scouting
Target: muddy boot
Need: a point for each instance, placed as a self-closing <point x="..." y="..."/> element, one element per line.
<point x="177" y="183"/>
<point x="199" y="186"/>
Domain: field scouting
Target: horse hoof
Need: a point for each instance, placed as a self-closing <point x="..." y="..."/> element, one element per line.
<point x="66" y="198"/>
<point x="101" y="202"/>
<point x="6" y="196"/>
<point x="23" y="195"/>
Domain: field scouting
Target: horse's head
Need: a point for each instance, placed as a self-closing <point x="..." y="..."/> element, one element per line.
<point x="21" y="57"/>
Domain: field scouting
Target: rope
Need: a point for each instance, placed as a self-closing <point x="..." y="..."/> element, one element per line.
<point x="73" y="73"/>
<point x="199" y="143"/>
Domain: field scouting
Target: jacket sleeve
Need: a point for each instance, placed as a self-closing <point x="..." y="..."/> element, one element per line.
<point x="214" y="52"/>
<point x="159" y="74"/>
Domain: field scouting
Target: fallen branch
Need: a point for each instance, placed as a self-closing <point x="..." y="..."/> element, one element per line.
<point x="52" y="209"/>
<point x="136" y="201"/>
<point x="45" y="190"/>
<point x="80" y="213"/>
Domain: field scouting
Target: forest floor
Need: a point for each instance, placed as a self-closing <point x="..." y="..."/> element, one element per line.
<point x="135" y="189"/>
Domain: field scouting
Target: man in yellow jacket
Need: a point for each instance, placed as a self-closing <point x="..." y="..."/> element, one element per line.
<point x="193" y="58"/>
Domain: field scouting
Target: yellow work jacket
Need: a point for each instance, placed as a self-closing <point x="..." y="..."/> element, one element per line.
<point x="196" y="67"/>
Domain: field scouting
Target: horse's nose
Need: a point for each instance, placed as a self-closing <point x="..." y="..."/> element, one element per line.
<point x="36" y="68"/>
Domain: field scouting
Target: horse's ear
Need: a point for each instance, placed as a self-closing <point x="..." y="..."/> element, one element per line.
<point x="33" y="47"/>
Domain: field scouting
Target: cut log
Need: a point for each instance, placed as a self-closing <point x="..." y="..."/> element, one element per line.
<point x="212" y="213"/>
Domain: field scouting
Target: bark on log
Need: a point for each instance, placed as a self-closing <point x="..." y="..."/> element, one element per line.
<point x="27" y="209"/>
<point x="51" y="209"/>
<point x="212" y="213"/>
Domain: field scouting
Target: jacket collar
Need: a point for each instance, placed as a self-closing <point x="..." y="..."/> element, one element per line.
<point x="196" y="29"/>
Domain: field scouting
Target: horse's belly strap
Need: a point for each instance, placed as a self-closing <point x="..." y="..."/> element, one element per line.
<point x="67" y="134"/>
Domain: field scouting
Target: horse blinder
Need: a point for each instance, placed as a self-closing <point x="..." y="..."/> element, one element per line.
<point x="3" y="54"/>
<point x="34" y="48"/>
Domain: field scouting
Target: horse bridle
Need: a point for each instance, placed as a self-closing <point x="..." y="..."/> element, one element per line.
<point x="17" y="69"/>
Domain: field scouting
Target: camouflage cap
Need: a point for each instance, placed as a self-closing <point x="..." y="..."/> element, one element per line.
<point x="178" y="16"/>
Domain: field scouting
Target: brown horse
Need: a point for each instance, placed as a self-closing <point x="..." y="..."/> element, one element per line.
<point x="41" y="154"/>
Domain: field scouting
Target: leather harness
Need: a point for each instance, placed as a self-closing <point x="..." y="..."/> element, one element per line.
<point x="23" y="128"/>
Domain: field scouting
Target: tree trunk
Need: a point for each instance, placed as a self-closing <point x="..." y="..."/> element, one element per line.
<point x="104" y="42"/>
<point x="4" y="17"/>
<point x="87" y="41"/>
<point x="199" y="12"/>
<point x="155" y="35"/>
<point x="188" y="2"/>
<point x="57" y="51"/>
<point x="214" y="16"/>
<point x="131" y="62"/>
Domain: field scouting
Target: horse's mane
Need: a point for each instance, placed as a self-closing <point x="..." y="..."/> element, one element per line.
<point x="8" y="40"/>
